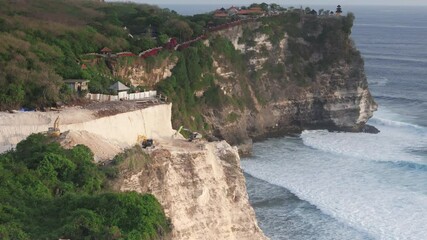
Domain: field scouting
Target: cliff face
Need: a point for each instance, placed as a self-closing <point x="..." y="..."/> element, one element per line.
<point x="145" y="72"/>
<point x="201" y="188"/>
<point x="199" y="184"/>
<point x="273" y="76"/>
<point x="304" y="75"/>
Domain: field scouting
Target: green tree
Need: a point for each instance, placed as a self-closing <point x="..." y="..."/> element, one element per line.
<point x="348" y="23"/>
<point x="264" y="6"/>
<point x="44" y="194"/>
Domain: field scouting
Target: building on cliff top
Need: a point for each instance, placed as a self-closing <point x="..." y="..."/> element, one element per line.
<point x="338" y="11"/>
<point x="106" y="50"/>
<point x="77" y="85"/>
<point x="220" y="13"/>
<point x="242" y="13"/>
<point x="254" y="11"/>
<point x="232" y="10"/>
<point x="120" y="89"/>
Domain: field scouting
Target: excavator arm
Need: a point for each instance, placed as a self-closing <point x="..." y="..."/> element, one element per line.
<point x="54" y="131"/>
<point x="191" y="135"/>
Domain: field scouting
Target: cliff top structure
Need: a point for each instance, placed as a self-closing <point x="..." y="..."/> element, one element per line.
<point x="239" y="12"/>
<point x="338" y="11"/>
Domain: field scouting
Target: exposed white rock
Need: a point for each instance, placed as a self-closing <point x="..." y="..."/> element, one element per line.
<point x="366" y="105"/>
<point x="258" y="62"/>
<point x="262" y="41"/>
<point x="203" y="191"/>
<point x="282" y="46"/>
<point x="148" y="76"/>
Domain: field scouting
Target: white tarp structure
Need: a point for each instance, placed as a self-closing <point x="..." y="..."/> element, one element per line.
<point x="122" y="95"/>
<point x="119" y="87"/>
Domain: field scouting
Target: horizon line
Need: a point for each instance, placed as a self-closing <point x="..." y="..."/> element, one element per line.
<point x="231" y="4"/>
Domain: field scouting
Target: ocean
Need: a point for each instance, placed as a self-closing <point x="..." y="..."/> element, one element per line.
<point x="325" y="185"/>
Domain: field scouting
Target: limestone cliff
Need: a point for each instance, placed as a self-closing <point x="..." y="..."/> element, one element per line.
<point x="202" y="189"/>
<point x="303" y="72"/>
<point x="269" y="77"/>
<point x="145" y="72"/>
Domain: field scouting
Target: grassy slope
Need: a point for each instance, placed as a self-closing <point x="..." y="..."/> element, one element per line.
<point x="44" y="41"/>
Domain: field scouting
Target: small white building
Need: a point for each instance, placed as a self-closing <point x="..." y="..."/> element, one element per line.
<point x="77" y="85"/>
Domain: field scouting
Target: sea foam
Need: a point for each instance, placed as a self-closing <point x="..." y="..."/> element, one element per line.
<point x="372" y="182"/>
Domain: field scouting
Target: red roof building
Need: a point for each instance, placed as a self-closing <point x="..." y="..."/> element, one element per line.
<point x="232" y="10"/>
<point x="220" y="15"/>
<point x="106" y="50"/>
<point x="251" y="11"/>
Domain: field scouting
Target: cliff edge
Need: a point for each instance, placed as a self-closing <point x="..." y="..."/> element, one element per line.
<point x="301" y="72"/>
<point x="200" y="185"/>
<point x="271" y="76"/>
<point x="202" y="189"/>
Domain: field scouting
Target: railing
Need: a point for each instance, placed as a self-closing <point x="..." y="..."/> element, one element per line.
<point x="121" y="96"/>
<point x="173" y="44"/>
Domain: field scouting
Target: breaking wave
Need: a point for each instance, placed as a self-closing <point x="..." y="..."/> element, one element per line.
<point x="375" y="183"/>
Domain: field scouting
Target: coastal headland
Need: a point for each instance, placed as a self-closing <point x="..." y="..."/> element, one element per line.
<point x="269" y="72"/>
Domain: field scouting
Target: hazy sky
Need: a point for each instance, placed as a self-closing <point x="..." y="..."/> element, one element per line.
<point x="285" y="2"/>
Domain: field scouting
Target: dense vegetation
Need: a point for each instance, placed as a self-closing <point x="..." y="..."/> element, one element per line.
<point x="308" y="35"/>
<point x="187" y="77"/>
<point x="47" y="192"/>
<point x="194" y="73"/>
<point x="44" y="42"/>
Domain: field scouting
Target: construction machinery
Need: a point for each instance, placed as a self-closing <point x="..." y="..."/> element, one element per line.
<point x="145" y="142"/>
<point x="191" y="135"/>
<point x="54" y="131"/>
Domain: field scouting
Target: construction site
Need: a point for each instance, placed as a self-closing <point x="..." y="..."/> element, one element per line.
<point x="107" y="128"/>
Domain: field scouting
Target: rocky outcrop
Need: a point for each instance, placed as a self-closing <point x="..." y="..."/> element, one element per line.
<point x="310" y="79"/>
<point x="285" y="74"/>
<point x="201" y="188"/>
<point x="146" y="72"/>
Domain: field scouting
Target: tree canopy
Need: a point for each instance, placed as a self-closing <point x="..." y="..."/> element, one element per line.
<point x="48" y="192"/>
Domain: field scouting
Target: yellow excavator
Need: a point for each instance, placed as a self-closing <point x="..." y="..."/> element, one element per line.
<point x="54" y="131"/>
<point x="145" y="142"/>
